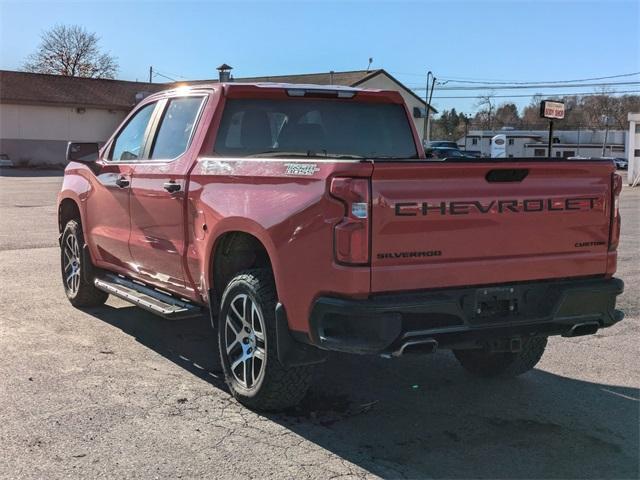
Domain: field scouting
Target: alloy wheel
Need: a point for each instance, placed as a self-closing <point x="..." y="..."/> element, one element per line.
<point x="71" y="267"/>
<point x="245" y="341"/>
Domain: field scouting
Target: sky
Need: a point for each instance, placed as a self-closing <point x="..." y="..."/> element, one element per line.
<point x="463" y="40"/>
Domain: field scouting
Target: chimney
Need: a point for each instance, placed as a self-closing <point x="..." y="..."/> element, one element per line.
<point x="224" y="72"/>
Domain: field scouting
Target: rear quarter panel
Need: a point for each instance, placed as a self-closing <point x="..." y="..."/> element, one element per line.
<point x="292" y="215"/>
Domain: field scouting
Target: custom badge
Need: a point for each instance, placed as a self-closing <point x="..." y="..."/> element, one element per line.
<point x="304" y="169"/>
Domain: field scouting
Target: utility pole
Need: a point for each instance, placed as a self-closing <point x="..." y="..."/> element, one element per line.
<point x="428" y="96"/>
<point x="550" y="137"/>
<point x="490" y="107"/>
<point x="606" y="134"/>
<point x="466" y="131"/>
<point x="151" y="74"/>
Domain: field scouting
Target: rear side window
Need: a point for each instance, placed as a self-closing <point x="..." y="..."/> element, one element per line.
<point x="176" y="127"/>
<point x="311" y="127"/>
<point x="129" y="144"/>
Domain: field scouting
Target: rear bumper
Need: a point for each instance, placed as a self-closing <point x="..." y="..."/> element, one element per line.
<point x="463" y="318"/>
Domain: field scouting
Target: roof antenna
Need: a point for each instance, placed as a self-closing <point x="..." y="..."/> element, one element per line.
<point x="370" y="62"/>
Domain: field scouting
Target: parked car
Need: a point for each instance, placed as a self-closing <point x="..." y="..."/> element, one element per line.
<point x="448" y="153"/>
<point x="621" y="163"/>
<point x="5" y="161"/>
<point x="441" y="144"/>
<point x="306" y="219"/>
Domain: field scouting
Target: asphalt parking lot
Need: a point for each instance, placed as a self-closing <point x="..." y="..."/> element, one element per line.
<point x="116" y="392"/>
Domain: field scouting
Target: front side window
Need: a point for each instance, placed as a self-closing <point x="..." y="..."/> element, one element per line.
<point x="129" y="144"/>
<point x="310" y="127"/>
<point x="176" y="127"/>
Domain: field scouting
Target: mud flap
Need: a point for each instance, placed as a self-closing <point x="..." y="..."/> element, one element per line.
<point x="292" y="353"/>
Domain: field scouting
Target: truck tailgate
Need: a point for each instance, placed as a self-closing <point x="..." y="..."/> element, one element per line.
<point x="451" y="224"/>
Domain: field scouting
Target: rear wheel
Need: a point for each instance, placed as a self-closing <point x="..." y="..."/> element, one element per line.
<point x="78" y="287"/>
<point x="248" y="347"/>
<point x="503" y="364"/>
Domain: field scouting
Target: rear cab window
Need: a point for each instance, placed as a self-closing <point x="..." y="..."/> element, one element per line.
<point x="314" y="128"/>
<point x="176" y="127"/>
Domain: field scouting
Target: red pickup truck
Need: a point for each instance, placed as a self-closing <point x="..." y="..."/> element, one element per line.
<point x="307" y="219"/>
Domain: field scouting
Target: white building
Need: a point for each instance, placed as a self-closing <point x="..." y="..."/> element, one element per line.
<point x="40" y="113"/>
<point x="565" y="143"/>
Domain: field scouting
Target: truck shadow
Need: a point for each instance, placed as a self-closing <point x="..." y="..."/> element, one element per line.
<point x="418" y="417"/>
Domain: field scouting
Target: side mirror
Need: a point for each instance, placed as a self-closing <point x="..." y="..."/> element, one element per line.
<point x="82" y="152"/>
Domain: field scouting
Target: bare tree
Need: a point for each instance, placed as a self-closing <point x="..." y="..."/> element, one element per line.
<point x="72" y="51"/>
<point x="486" y="105"/>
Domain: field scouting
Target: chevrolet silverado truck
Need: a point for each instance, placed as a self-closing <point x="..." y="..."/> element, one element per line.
<point x="306" y="219"/>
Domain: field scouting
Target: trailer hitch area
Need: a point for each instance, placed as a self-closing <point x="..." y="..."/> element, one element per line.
<point x="496" y="302"/>
<point x="505" y="345"/>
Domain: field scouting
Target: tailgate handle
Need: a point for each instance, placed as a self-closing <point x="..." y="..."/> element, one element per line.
<point x="507" y="175"/>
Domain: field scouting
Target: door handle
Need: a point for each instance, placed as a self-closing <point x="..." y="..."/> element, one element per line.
<point x="172" y="187"/>
<point x="122" y="182"/>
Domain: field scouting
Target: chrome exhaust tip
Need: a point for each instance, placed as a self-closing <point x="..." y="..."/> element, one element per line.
<point x="426" y="346"/>
<point x="580" y="329"/>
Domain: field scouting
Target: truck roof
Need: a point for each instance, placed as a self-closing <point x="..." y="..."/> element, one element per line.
<point x="240" y="88"/>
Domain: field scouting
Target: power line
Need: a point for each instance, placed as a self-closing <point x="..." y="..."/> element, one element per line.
<point x="158" y="74"/>
<point x="530" y="86"/>
<point x="174" y="74"/>
<point x="488" y="81"/>
<point x="541" y="82"/>
<point x="538" y="94"/>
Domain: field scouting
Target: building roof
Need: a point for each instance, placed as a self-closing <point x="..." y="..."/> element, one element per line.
<point x="45" y="89"/>
<point x="352" y="78"/>
<point x="348" y="79"/>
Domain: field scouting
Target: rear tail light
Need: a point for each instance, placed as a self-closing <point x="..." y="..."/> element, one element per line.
<point x="614" y="232"/>
<point x="351" y="235"/>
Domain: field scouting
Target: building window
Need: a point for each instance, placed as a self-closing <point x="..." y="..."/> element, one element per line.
<point x="511" y="141"/>
<point x="474" y="141"/>
<point x="558" y="154"/>
<point x="568" y="153"/>
<point x="510" y="156"/>
<point x="636" y="153"/>
<point x="637" y="127"/>
<point x="539" y="152"/>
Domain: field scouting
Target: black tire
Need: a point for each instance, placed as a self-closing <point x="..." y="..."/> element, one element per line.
<point x="276" y="387"/>
<point x="80" y="291"/>
<point x="487" y="364"/>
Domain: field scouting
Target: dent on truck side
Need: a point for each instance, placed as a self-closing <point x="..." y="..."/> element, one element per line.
<point x="292" y="216"/>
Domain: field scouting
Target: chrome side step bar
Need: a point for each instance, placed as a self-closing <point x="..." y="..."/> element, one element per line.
<point x="145" y="297"/>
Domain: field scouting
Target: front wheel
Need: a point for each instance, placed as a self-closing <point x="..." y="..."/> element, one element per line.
<point x="78" y="286"/>
<point x="503" y="364"/>
<point x="248" y="346"/>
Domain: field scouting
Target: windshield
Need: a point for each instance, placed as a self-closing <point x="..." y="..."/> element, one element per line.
<point x="314" y="128"/>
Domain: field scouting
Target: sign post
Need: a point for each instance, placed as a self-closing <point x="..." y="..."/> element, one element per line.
<point x="551" y="110"/>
